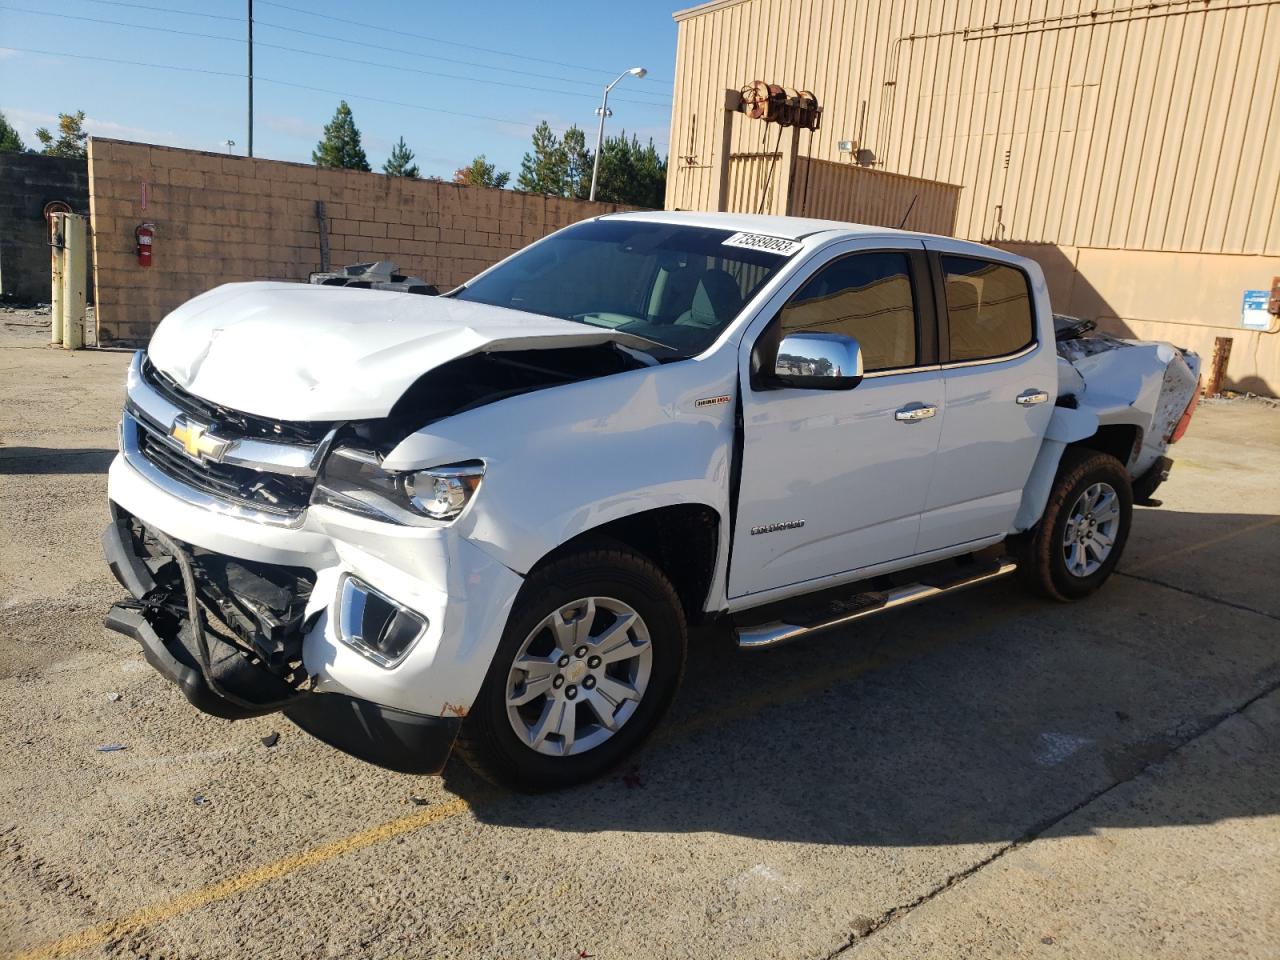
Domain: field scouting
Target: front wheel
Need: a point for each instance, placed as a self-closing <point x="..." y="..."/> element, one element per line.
<point x="1078" y="542"/>
<point x="590" y="659"/>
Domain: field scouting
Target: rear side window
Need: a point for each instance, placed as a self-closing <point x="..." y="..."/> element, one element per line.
<point x="866" y="296"/>
<point x="988" y="308"/>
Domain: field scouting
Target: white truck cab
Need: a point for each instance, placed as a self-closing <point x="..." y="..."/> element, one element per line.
<point x="488" y="517"/>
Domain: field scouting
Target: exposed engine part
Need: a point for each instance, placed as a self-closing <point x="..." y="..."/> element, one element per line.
<point x="379" y="275"/>
<point x="231" y="614"/>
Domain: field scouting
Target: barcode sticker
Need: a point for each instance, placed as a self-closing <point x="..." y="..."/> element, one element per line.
<point x="756" y="241"/>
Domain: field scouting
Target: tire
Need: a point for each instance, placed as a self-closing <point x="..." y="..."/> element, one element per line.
<point x="1051" y="565"/>
<point x="570" y="694"/>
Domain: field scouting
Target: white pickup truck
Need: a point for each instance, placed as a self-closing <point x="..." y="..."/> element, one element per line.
<point x="489" y="517"/>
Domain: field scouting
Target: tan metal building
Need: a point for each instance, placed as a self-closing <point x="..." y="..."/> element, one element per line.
<point x="1132" y="149"/>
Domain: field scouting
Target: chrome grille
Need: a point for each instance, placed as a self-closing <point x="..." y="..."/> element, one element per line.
<point x="269" y="492"/>
<point x="216" y="458"/>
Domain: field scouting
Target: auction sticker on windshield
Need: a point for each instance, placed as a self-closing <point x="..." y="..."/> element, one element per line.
<point x="756" y="241"/>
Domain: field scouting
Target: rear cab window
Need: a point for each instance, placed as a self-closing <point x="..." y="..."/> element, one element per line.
<point x="989" y="311"/>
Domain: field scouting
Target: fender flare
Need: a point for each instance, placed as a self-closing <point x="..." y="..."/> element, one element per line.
<point x="1065" y="426"/>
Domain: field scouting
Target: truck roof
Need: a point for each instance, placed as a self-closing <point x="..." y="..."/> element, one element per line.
<point x="791" y="228"/>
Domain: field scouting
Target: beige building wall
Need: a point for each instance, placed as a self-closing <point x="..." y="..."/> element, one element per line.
<point x="1084" y="132"/>
<point x="219" y="219"/>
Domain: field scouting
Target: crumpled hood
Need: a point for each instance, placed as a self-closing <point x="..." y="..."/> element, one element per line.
<point x="293" y="351"/>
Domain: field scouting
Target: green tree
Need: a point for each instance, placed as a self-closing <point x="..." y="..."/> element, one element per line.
<point x="400" y="163"/>
<point x="340" y="146"/>
<point x="70" y="141"/>
<point x="631" y="173"/>
<point x="577" y="164"/>
<point x="543" y="170"/>
<point x="481" y="173"/>
<point x="10" y="142"/>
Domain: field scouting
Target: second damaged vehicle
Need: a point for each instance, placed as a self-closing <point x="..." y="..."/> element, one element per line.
<point x="484" y="521"/>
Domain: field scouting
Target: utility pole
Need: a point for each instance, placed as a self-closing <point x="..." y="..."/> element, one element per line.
<point x="604" y="112"/>
<point x="251" y="78"/>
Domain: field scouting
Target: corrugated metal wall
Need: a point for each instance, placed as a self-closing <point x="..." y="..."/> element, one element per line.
<point x="845" y="191"/>
<point x="1075" y="122"/>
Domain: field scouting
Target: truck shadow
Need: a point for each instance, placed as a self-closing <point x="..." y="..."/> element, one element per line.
<point x="981" y="717"/>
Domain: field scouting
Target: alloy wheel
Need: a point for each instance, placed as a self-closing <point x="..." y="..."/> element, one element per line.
<point x="1090" y="533"/>
<point x="579" y="676"/>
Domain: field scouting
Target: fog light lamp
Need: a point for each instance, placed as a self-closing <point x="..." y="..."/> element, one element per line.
<point x="374" y="624"/>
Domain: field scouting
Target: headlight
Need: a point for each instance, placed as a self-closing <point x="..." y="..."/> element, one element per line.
<point x="443" y="492"/>
<point x="354" y="480"/>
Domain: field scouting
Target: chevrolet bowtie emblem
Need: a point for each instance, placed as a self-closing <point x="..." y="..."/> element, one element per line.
<point x="197" y="441"/>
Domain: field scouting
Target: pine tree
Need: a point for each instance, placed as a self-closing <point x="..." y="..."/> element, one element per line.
<point x="543" y="170"/>
<point x="10" y="142"/>
<point x="341" y="144"/>
<point x="630" y="173"/>
<point x="481" y="173"/>
<point x="71" y="138"/>
<point x="577" y="164"/>
<point x="400" y="163"/>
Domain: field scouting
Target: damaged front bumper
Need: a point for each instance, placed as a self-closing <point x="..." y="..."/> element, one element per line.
<point x="251" y="664"/>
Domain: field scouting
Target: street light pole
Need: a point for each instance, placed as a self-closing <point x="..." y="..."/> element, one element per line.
<point x="604" y="112"/>
<point x="251" y="78"/>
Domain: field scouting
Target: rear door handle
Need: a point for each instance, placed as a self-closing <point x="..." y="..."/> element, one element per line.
<point x="1029" y="398"/>
<point x="915" y="412"/>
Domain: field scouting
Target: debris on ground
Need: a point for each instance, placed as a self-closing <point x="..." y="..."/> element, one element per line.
<point x="271" y="739"/>
<point x="113" y="697"/>
<point x="200" y="800"/>
<point x="418" y="801"/>
<point x="111" y="747"/>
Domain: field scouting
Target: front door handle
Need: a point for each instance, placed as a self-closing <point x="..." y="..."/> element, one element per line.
<point x="1029" y="398"/>
<point x="915" y="412"/>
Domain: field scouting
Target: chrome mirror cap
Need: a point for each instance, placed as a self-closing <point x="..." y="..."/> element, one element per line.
<point x="818" y="361"/>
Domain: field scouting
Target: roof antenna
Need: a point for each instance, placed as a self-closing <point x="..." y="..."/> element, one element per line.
<point x="910" y="207"/>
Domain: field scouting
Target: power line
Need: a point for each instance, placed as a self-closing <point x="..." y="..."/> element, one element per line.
<point x="430" y="73"/>
<point x="455" y="43"/>
<point x="185" y="13"/>
<point x="328" y="36"/>
<point x="524" y="124"/>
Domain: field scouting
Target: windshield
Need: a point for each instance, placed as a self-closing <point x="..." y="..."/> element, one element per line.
<point x="675" y="284"/>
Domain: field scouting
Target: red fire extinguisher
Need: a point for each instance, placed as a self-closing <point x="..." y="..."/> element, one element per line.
<point x="144" y="233"/>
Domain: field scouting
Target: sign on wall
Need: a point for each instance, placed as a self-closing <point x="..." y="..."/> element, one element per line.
<point x="1253" y="312"/>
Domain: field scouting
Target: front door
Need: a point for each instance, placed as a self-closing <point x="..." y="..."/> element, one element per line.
<point x="835" y="480"/>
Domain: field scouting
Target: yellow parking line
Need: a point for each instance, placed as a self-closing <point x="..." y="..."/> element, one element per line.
<point x="1194" y="547"/>
<point x="148" y="916"/>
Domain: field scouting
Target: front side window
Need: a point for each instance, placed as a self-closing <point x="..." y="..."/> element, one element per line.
<point x="988" y="308"/>
<point x="676" y="284"/>
<point x="866" y="296"/>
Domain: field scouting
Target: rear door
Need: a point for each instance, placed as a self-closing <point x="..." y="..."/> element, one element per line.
<point x="1000" y="384"/>
<point x="835" y="480"/>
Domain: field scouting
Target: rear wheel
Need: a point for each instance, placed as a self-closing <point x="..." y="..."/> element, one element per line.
<point x="1078" y="542"/>
<point x="590" y="659"/>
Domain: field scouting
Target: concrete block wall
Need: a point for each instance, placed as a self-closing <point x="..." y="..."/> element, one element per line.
<point x="221" y="218"/>
<point x="27" y="182"/>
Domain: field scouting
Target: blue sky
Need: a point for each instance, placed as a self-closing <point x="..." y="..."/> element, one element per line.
<point x="478" y="65"/>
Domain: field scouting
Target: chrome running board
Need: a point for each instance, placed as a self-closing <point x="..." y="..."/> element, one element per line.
<point x="864" y="605"/>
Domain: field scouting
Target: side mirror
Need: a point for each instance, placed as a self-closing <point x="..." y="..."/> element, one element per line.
<point x="818" y="361"/>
